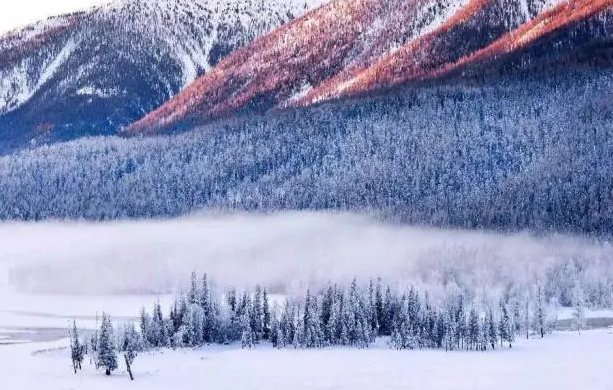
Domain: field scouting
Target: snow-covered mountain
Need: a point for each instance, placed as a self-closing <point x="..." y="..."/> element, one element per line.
<point x="92" y="72"/>
<point x="354" y="47"/>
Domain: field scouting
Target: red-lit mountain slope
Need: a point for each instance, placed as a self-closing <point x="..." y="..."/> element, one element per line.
<point x="352" y="47"/>
<point x="413" y="62"/>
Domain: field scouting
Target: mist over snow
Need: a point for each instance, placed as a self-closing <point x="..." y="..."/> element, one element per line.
<point x="284" y="251"/>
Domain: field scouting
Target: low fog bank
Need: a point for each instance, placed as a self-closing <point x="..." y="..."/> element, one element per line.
<point x="284" y="251"/>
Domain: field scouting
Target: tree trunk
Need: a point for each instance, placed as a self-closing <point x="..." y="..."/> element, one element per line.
<point x="128" y="367"/>
<point x="108" y="372"/>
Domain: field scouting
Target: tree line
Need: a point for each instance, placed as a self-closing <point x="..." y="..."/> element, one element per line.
<point x="335" y="315"/>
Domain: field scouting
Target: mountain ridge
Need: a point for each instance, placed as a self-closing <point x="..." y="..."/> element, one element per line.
<point x="91" y="72"/>
<point x="475" y="32"/>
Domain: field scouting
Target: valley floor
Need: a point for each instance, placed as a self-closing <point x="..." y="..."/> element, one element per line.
<point x="563" y="360"/>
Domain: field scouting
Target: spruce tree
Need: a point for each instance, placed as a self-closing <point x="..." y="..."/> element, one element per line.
<point x="266" y="316"/>
<point x="247" y="334"/>
<point x="106" y="354"/>
<point x="192" y="294"/>
<point x="77" y="350"/>
<point x="492" y="332"/>
<point x="131" y="346"/>
<point x="473" y="329"/>
<point x="579" y="308"/>
<point x="539" y="320"/>
<point x="379" y="309"/>
<point x="504" y="328"/>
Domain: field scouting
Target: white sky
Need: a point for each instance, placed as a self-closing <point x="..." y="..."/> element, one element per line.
<point x="17" y="13"/>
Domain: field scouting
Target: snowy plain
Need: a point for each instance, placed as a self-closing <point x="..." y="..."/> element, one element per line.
<point x="564" y="360"/>
<point x="52" y="273"/>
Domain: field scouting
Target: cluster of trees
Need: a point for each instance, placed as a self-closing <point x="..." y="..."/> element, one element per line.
<point x="351" y="315"/>
<point x="503" y="156"/>
<point x="104" y="346"/>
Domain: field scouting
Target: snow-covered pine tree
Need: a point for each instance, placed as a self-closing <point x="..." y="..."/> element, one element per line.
<point x="145" y="327"/>
<point x="313" y="334"/>
<point x="578" y="308"/>
<point x="389" y="312"/>
<point x="193" y="295"/>
<point x="492" y="331"/>
<point x="298" y="321"/>
<point x="505" y="329"/>
<point x="403" y="335"/>
<point x="539" y="313"/>
<point x="247" y="334"/>
<point x="286" y="326"/>
<point x="473" y="329"/>
<point x="208" y="310"/>
<point x="132" y="344"/>
<point x="257" y="314"/>
<point x="274" y="328"/>
<point x="379" y="309"/>
<point x="483" y="335"/>
<point x="460" y="319"/>
<point x="77" y="350"/>
<point x="449" y="340"/>
<point x="333" y="327"/>
<point x="517" y="320"/>
<point x="106" y="354"/>
<point x="372" y="311"/>
<point x="266" y="316"/>
<point x="195" y="325"/>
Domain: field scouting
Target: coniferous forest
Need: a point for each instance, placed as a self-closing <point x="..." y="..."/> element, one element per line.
<point x="521" y="153"/>
<point x="357" y="315"/>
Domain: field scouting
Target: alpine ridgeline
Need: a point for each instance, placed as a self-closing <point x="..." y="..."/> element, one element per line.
<point x="90" y="73"/>
<point x="354" y="47"/>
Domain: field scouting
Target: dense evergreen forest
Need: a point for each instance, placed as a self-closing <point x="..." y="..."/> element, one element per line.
<point x="357" y="315"/>
<point x="517" y="153"/>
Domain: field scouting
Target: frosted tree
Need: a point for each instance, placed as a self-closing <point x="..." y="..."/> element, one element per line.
<point x="379" y="308"/>
<point x="195" y="325"/>
<point x="333" y="326"/>
<point x="77" y="350"/>
<point x="247" y="334"/>
<point x="132" y="344"/>
<point x="579" y="321"/>
<point x="389" y="306"/>
<point x="209" y="310"/>
<point x="460" y="319"/>
<point x="505" y="329"/>
<point x="313" y="334"/>
<point x="449" y="339"/>
<point x="492" y="332"/>
<point x="517" y="318"/>
<point x="539" y="313"/>
<point x="193" y="294"/>
<point x="473" y="329"/>
<point x="372" y="314"/>
<point x="257" y="314"/>
<point x="106" y="356"/>
<point x="266" y="316"/>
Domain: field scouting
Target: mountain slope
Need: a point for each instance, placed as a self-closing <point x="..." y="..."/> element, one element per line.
<point x="93" y="72"/>
<point x="350" y="48"/>
<point x="408" y="63"/>
<point x="528" y="152"/>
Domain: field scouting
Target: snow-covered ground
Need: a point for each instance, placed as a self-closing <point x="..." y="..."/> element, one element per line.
<point x="563" y="360"/>
<point x="96" y="265"/>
